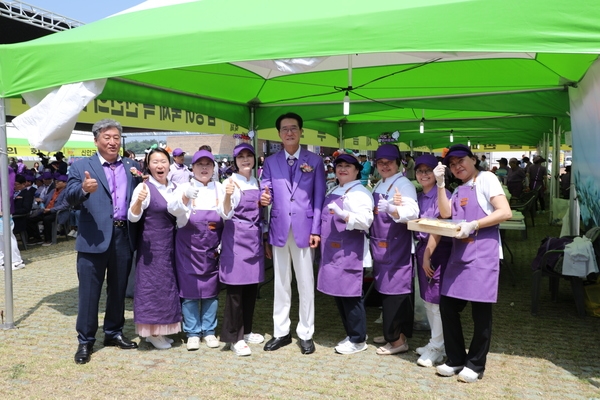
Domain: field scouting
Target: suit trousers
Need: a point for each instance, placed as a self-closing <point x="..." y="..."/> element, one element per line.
<point x="450" y="309"/>
<point x="115" y="262"/>
<point x="398" y="316"/>
<point x="302" y="260"/>
<point x="354" y="317"/>
<point x="239" y="312"/>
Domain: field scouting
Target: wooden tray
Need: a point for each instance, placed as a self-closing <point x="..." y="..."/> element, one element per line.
<point x="426" y="225"/>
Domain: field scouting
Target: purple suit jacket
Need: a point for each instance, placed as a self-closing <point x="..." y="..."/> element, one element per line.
<point x="295" y="204"/>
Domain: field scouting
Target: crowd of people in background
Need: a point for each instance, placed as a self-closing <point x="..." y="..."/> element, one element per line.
<point x="195" y="230"/>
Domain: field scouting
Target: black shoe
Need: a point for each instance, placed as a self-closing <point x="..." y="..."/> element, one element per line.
<point x="307" y="346"/>
<point x="121" y="342"/>
<point x="84" y="353"/>
<point x="278" y="342"/>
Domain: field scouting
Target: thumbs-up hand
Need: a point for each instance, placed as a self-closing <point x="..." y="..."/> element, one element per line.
<point x="397" y="197"/>
<point x="440" y="172"/>
<point x="229" y="188"/>
<point x="143" y="193"/>
<point x="385" y="206"/>
<point x="265" y="197"/>
<point x="335" y="209"/>
<point x="191" y="192"/>
<point x="89" y="184"/>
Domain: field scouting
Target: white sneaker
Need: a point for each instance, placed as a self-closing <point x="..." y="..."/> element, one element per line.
<point x="469" y="376"/>
<point x="422" y="350"/>
<point x="347" y="338"/>
<point x="241" y="348"/>
<point x="211" y="341"/>
<point x="193" y="343"/>
<point x="72" y="233"/>
<point x="159" y="342"/>
<point x="343" y="341"/>
<point x="446" y="370"/>
<point x="351" y="348"/>
<point x="254" y="338"/>
<point x="431" y="357"/>
<point x="17" y="266"/>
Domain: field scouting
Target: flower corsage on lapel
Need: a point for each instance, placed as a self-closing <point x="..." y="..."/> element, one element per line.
<point x="137" y="174"/>
<point x="306" y="168"/>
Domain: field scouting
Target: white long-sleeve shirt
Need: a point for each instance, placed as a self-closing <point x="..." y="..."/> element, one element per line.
<point x="359" y="204"/>
<point x="410" y="208"/>
<point x="165" y="190"/>
<point x="242" y="184"/>
<point x="208" y="198"/>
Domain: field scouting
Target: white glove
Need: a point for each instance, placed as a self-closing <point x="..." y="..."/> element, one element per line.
<point x="466" y="228"/>
<point x="440" y="173"/>
<point x="385" y="206"/>
<point x="337" y="210"/>
<point x="191" y="192"/>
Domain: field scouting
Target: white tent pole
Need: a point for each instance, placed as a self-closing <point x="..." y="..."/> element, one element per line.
<point x="556" y="156"/>
<point x="8" y="287"/>
<point x="341" y="135"/>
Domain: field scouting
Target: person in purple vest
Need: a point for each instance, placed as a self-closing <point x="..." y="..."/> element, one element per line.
<point x="197" y="242"/>
<point x="432" y="253"/>
<point x="178" y="171"/>
<point x="345" y="250"/>
<point x="391" y="248"/>
<point x="473" y="266"/>
<point x="293" y="181"/>
<point x="242" y="260"/>
<point x="156" y="305"/>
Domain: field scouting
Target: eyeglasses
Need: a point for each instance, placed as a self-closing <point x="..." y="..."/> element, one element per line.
<point x="293" y="129"/>
<point x="424" y="171"/>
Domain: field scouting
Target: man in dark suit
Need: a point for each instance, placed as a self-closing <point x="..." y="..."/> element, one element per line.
<point x="102" y="185"/>
<point x="54" y="202"/>
<point x="293" y="182"/>
<point x="23" y="203"/>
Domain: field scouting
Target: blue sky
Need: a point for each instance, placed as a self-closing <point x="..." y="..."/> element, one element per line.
<point x="84" y="10"/>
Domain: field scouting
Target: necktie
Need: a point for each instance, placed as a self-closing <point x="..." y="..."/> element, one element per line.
<point x="113" y="182"/>
<point x="291" y="161"/>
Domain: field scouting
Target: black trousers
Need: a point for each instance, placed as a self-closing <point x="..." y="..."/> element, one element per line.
<point x="454" y="341"/>
<point x="115" y="262"/>
<point x="354" y="317"/>
<point x="398" y="315"/>
<point x="32" y="226"/>
<point x="239" y="312"/>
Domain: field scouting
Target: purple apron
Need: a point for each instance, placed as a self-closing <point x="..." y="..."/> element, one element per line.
<point x="473" y="268"/>
<point x="197" y="255"/>
<point x="156" y="299"/>
<point x="341" y="270"/>
<point x="430" y="288"/>
<point x="242" y="260"/>
<point x="391" y="245"/>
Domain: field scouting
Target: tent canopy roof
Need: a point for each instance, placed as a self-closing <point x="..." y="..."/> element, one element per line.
<point x="494" y="71"/>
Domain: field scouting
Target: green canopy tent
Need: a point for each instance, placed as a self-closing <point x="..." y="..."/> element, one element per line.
<point x="491" y="70"/>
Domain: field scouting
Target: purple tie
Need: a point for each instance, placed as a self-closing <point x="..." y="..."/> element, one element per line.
<point x="113" y="167"/>
<point x="291" y="161"/>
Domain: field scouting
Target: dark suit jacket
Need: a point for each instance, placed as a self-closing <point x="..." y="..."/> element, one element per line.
<point x="96" y="218"/>
<point x="23" y="204"/>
